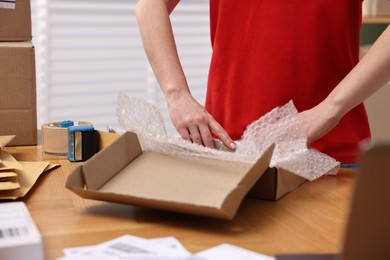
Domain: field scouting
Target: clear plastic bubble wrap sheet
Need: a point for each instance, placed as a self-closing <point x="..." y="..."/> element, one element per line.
<point x="281" y="127"/>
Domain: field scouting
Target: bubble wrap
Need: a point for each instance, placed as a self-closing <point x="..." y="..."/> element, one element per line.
<point x="281" y="127"/>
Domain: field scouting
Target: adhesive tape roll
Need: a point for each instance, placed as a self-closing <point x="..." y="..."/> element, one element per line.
<point x="55" y="136"/>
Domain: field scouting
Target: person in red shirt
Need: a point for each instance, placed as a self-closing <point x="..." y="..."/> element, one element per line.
<point x="265" y="53"/>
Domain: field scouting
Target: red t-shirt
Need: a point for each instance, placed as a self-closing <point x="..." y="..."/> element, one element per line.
<point x="267" y="52"/>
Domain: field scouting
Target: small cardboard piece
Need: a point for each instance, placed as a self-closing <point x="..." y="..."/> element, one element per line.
<point x="18" y="115"/>
<point x="5" y="139"/>
<point x="17" y="178"/>
<point x="123" y="173"/>
<point x="15" y="23"/>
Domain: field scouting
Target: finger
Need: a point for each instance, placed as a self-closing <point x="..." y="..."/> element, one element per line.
<point x="206" y="136"/>
<point x="195" y="135"/>
<point x="183" y="132"/>
<point x="222" y="135"/>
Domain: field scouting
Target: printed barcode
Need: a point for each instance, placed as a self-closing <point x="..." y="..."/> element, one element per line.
<point x="13" y="232"/>
<point x="7" y="4"/>
<point x="129" y="249"/>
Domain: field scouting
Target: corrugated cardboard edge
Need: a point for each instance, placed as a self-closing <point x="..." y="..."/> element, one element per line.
<point x="104" y="161"/>
<point x="77" y="182"/>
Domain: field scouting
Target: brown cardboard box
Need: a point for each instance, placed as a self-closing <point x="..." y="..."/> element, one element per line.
<point x="18" y="114"/>
<point x="123" y="173"/>
<point x="15" y="24"/>
<point x="274" y="184"/>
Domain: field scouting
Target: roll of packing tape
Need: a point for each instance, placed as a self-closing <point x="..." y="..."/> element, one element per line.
<point x="55" y="136"/>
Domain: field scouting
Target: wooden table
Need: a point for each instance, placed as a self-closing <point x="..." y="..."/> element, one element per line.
<point x="309" y="219"/>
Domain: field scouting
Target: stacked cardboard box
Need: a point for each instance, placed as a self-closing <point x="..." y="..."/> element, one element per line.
<point x="18" y="114"/>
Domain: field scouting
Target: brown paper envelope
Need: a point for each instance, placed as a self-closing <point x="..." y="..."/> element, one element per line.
<point x="9" y="185"/>
<point x="51" y="166"/>
<point x="8" y="177"/>
<point x="12" y="179"/>
<point x="6" y="174"/>
<point x="5" y="139"/>
<point x="27" y="178"/>
<point x="9" y="162"/>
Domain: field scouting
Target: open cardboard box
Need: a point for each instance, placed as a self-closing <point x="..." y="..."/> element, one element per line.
<point x="123" y="173"/>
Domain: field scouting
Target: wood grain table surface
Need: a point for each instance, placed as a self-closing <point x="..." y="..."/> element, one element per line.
<point x="310" y="219"/>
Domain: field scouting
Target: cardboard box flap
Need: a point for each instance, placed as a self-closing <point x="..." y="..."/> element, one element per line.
<point x="287" y="182"/>
<point x="227" y="212"/>
<point x="181" y="180"/>
<point x="191" y="185"/>
<point x="76" y="179"/>
<point x="104" y="165"/>
<point x="275" y="183"/>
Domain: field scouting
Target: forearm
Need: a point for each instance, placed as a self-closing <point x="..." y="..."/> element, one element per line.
<point x="191" y="119"/>
<point x="369" y="75"/>
<point x="159" y="44"/>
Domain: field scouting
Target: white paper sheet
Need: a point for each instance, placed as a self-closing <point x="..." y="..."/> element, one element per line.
<point x="164" y="248"/>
